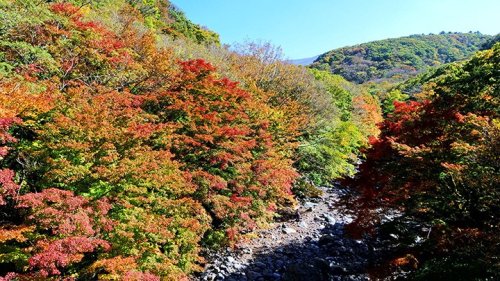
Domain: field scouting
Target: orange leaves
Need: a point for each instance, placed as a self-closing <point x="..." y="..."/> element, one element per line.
<point x="230" y="132"/>
<point x="223" y="137"/>
<point x="64" y="8"/>
<point x="178" y="149"/>
<point x="437" y="162"/>
<point x="205" y="180"/>
<point x="367" y="113"/>
<point x="123" y="268"/>
<point x="15" y="233"/>
<point x="18" y="100"/>
<point x="408" y="260"/>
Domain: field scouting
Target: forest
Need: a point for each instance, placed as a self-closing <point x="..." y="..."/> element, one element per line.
<point x="132" y="140"/>
<point x="398" y="59"/>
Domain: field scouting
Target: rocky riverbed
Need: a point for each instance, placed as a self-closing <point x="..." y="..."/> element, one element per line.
<point x="310" y="246"/>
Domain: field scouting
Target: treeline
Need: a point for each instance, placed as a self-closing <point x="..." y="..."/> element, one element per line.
<point x="435" y="166"/>
<point x="129" y="139"/>
<point x="399" y="58"/>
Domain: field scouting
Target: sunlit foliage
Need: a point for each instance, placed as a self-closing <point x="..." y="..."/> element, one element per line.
<point x="399" y="58"/>
<point x="436" y="162"/>
<point x="129" y="139"/>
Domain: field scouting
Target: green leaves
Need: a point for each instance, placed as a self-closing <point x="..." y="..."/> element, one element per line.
<point x="330" y="151"/>
<point x="120" y="160"/>
<point x="437" y="161"/>
<point x="399" y="58"/>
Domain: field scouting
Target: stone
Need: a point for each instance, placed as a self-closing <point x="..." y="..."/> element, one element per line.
<point x="252" y="275"/>
<point x="247" y="250"/>
<point x="329" y="219"/>
<point x="259" y="264"/>
<point x="318" y="251"/>
<point x="210" y="277"/>
<point x="327" y="239"/>
<point x="310" y="205"/>
<point x="300" y="271"/>
<point x="273" y="276"/>
<point x="338" y="270"/>
<point x="238" y="266"/>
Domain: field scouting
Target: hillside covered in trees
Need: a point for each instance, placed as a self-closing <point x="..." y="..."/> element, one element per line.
<point x="130" y="139"/>
<point x="399" y="58"/>
<point x="436" y="163"/>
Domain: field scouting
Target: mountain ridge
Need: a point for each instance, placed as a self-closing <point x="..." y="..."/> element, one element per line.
<point x="399" y="58"/>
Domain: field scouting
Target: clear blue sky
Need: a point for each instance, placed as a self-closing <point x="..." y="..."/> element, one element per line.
<point x="304" y="28"/>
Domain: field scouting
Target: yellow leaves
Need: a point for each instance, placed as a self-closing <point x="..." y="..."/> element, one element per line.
<point x="462" y="147"/>
<point x="367" y="113"/>
<point x="428" y="91"/>
<point x="18" y="100"/>
<point x="455" y="171"/>
<point x="85" y="10"/>
<point x="15" y="233"/>
<point x="114" y="267"/>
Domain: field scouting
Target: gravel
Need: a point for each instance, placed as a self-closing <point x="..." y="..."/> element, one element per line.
<point x="312" y="247"/>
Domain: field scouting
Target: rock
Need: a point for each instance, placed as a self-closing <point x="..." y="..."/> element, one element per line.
<point x="331" y="220"/>
<point x="247" y="250"/>
<point x="273" y="276"/>
<point x="327" y="239"/>
<point x="338" y="270"/>
<point x="318" y="251"/>
<point x="259" y="264"/>
<point x="238" y="266"/>
<point x="310" y="205"/>
<point x="252" y="275"/>
<point x="210" y="277"/>
<point x="237" y="277"/>
<point x="300" y="271"/>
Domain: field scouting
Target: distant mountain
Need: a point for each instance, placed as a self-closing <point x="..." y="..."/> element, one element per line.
<point x="399" y="58"/>
<point x="305" y="62"/>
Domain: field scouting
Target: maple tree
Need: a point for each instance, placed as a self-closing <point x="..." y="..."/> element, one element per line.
<point x="120" y="158"/>
<point x="436" y="162"/>
<point x="224" y="144"/>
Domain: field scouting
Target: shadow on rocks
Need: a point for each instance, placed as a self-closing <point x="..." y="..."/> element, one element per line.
<point x="328" y="256"/>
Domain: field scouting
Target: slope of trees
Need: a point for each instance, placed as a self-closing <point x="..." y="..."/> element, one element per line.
<point x="436" y="163"/>
<point x="399" y="58"/>
<point x="129" y="139"/>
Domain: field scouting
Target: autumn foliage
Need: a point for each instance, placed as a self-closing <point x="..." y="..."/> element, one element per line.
<point x="436" y="164"/>
<point x="119" y="159"/>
